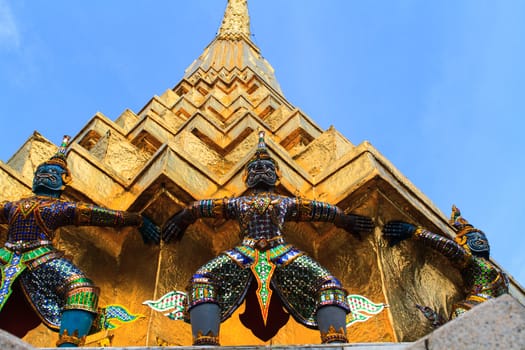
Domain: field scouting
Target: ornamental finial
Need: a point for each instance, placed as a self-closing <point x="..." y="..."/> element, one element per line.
<point x="236" y="21"/>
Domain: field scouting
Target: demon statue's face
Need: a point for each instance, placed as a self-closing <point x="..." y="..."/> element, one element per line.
<point x="49" y="180"/>
<point x="478" y="244"/>
<point x="261" y="172"/>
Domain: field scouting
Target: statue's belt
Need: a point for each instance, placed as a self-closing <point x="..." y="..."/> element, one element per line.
<point x="263" y="244"/>
<point x="30" y="257"/>
<point x="23" y="246"/>
<point x="281" y="254"/>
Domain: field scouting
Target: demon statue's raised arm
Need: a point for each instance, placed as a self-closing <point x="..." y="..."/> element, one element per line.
<point x="469" y="252"/>
<point x="312" y="295"/>
<point x="64" y="298"/>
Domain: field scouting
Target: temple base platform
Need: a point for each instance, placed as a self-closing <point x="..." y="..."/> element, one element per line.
<point x="495" y="324"/>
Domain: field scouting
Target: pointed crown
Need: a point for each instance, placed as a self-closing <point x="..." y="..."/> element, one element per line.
<point x="462" y="225"/>
<point x="59" y="158"/>
<point x="262" y="151"/>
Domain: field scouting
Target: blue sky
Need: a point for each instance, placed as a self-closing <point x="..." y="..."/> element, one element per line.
<point x="436" y="86"/>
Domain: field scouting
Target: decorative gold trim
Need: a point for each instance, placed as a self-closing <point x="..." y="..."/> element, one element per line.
<point x="418" y="232"/>
<point x="71" y="339"/>
<point x="476" y="298"/>
<point x="461" y="240"/>
<point x="333" y="336"/>
<point x="208" y="339"/>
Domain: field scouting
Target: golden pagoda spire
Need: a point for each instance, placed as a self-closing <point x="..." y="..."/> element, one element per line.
<point x="236" y="21"/>
<point x="233" y="49"/>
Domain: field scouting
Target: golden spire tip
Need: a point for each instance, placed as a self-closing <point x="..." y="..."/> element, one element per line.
<point x="236" y="21"/>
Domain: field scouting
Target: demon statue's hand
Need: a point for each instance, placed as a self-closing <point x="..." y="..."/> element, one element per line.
<point x="397" y="231"/>
<point x="355" y="224"/>
<point x="177" y="224"/>
<point x="149" y="231"/>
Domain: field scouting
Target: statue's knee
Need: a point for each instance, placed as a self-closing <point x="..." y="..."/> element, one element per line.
<point x="203" y="290"/>
<point x="82" y="294"/>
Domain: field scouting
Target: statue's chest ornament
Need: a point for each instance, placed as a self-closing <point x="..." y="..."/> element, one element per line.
<point x="258" y="207"/>
<point x="27" y="207"/>
<point x="261" y="204"/>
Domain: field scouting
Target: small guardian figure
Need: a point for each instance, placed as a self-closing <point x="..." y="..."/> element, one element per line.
<point x="64" y="298"/>
<point x="263" y="260"/>
<point x="469" y="251"/>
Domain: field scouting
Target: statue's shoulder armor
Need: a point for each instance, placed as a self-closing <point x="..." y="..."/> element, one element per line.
<point x="56" y="206"/>
<point x="5" y="207"/>
<point x="28" y="205"/>
<point x="283" y="202"/>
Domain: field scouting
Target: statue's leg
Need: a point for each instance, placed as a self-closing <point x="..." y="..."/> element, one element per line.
<point x="312" y="295"/>
<point x="205" y="321"/>
<point x="76" y="298"/>
<point x="79" y="311"/>
<point x="217" y="289"/>
<point x="203" y="307"/>
<point x="332" y="324"/>
<point x="63" y="296"/>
